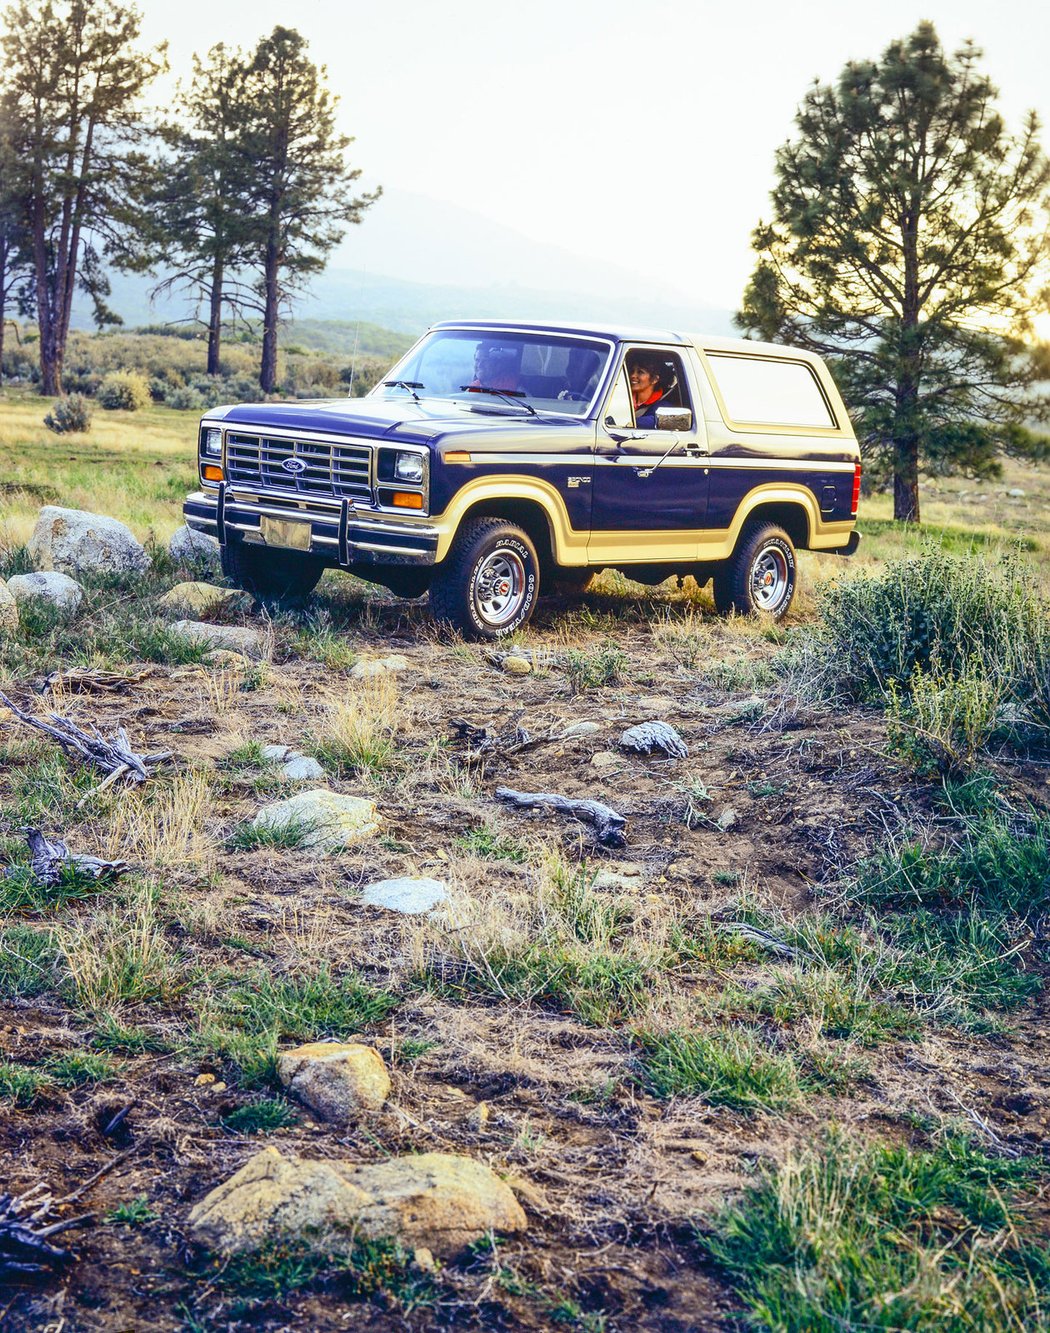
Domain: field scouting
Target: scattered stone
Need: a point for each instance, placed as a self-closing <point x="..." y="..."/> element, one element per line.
<point x="437" y="1201"/>
<point x="234" y="638"/>
<point x="515" y="665"/>
<point x="225" y="657"/>
<point x="276" y="754"/>
<point x="330" y="820"/>
<point x="650" y="736"/>
<point x="76" y="542"/>
<point x="578" y="729"/>
<point x="409" y="895"/>
<point x="378" y="666"/>
<point x="727" y="818"/>
<point x="605" y="759"/>
<point x="302" y="768"/>
<point x="204" y="1080"/>
<point x="626" y="877"/>
<point x="195" y="549"/>
<point x="8" y="609"/>
<point x="424" y="1259"/>
<point x="337" y="1080"/>
<point x="200" y="599"/>
<point x="1015" y="493"/>
<point x="654" y="703"/>
<point x="57" y="590"/>
<point x="479" y="1117"/>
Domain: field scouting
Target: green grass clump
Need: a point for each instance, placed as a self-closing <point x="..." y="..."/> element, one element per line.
<point x="252" y="1013"/>
<point x="839" y="1003"/>
<point x="732" y="1067"/>
<point x="113" y="1035"/>
<point x="850" y="1236"/>
<point x="21" y="890"/>
<point x="81" y="1069"/>
<point x="248" y="838"/>
<point x="591" y="668"/>
<point x="21" y="1084"/>
<point x="997" y="863"/>
<point x="261" y="1116"/>
<point x="28" y="962"/>
<point x="135" y="1213"/>
<point x="371" y="1269"/>
<point x="944" y="722"/>
<point x="492" y="846"/>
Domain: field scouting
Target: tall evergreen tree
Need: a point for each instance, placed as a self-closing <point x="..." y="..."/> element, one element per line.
<point x="302" y="199"/>
<point x="73" y="78"/>
<point x="909" y="241"/>
<point x="203" y="199"/>
<point x="15" y="251"/>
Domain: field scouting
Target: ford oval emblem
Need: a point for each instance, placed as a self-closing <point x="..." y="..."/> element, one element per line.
<point x="294" y="466"/>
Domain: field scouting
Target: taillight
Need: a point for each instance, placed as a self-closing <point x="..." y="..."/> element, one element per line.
<point x="856" y="490"/>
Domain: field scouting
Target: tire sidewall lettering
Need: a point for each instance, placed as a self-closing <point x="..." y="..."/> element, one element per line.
<point x="528" y="601"/>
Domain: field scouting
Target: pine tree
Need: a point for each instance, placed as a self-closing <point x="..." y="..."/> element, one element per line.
<point x="909" y="241"/>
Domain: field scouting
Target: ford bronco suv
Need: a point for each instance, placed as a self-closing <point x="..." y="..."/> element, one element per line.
<point x="499" y="459"/>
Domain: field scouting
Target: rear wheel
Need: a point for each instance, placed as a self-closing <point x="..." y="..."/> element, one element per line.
<point x="761" y="574"/>
<point x="271" y="575"/>
<point x="488" y="583"/>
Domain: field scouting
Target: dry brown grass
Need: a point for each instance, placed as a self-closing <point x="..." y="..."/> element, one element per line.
<point x="118" y="954"/>
<point x="165" y="826"/>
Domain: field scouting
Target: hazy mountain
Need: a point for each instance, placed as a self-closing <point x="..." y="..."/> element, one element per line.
<point x="416" y="260"/>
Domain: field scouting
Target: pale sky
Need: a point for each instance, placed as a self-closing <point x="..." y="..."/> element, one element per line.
<point x="638" y="133"/>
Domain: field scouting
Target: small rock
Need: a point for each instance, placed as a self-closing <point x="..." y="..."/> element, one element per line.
<point x="514" y="665"/>
<point x="302" y="768"/>
<point x="276" y="754"/>
<point x="479" y="1117"/>
<point x="234" y="638"/>
<point x="654" y="703"/>
<point x="378" y="666"/>
<point x="57" y="590"/>
<point x="650" y="736"/>
<point x="217" y="1087"/>
<point x="1015" y="493"/>
<point x="200" y="599"/>
<point x="204" y="1080"/>
<point x="77" y="542"/>
<point x="437" y="1201"/>
<point x="577" y="729"/>
<point x="337" y="1080"/>
<point x="8" y="609"/>
<point x="330" y="820"/>
<point x="727" y="818"/>
<point x="625" y="877"/>
<point x="195" y="550"/>
<point x="407" y="894"/>
<point x="424" y="1259"/>
<point x="605" y="759"/>
<point x="225" y="657"/>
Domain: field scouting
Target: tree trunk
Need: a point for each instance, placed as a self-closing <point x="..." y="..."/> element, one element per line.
<point x="3" y="326"/>
<point x="268" y="371"/>
<point x="906" y="481"/>
<point x="215" y="316"/>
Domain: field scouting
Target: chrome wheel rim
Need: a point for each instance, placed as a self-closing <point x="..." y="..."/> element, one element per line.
<point x="499" y="588"/>
<point x="770" y="578"/>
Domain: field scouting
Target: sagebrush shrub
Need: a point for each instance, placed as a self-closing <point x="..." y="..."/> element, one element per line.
<point x="124" y="390"/>
<point x="185" y="400"/>
<point x="945" y="722"/>
<point x="69" y="416"/>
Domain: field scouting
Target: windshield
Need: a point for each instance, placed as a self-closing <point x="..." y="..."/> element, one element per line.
<point x="491" y="371"/>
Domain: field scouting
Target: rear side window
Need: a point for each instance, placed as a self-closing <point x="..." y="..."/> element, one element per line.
<point x="768" y="392"/>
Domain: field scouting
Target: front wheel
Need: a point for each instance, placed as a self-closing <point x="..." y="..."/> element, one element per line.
<point x="487" y="585"/>
<point x="271" y="574"/>
<point x="760" y="575"/>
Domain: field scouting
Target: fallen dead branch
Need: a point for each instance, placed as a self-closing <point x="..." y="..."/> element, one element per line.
<point x="51" y="857"/>
<point x="115" y="757"/>
<point x="609" y="824"/>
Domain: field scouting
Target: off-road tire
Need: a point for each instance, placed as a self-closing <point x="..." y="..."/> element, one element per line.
<point x="481" y="546"/>
<point x="269" y="575"/>
<point x="763" y="550"/>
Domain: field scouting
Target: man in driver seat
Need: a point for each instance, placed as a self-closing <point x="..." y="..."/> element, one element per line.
<point x="498" y="366"/>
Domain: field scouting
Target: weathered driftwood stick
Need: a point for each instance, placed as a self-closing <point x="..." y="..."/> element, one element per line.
<point x="111" y="756"/>
<point x="51" y="856"/>
<point x="609" y="824"/>
<point x="762" y="937"/>
<point x="650" y="736"/>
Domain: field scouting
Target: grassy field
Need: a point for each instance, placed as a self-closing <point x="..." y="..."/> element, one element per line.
<point x="778" y="1063"/>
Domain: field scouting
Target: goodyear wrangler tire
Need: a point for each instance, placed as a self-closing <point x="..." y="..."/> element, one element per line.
<point x="760" y="575"/>
<point x="488" y="583"/>
<point x="271" y="575"/>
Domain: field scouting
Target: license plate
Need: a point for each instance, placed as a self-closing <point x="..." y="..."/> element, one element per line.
<point x="290" y="532"/>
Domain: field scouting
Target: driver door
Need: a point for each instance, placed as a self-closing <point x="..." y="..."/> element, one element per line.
<point x="650" y="487"/>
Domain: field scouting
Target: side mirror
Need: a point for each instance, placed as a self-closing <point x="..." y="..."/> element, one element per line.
<point x="674" y="418"/>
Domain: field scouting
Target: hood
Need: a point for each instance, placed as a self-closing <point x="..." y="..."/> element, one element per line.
<point x="374" y="418"/>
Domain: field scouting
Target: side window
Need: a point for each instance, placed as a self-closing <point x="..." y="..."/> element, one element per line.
<point x="619" y="410"/>
<point x="657" y="379"/>
<point x="770" y="392"/>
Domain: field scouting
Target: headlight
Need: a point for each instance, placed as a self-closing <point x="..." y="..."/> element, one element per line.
<point x="409" y="467"/>
<point x="211" y="443"/>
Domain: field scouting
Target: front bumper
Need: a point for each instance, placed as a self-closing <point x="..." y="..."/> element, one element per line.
<point x="344" y="536"/>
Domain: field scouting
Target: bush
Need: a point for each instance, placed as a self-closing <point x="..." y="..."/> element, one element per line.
<point x="947" y="720"/>
<point x="937" y="613"/>
<point x="124" y="390"/>
<point x="69" y="416"/>
<point x="185" y="400"/>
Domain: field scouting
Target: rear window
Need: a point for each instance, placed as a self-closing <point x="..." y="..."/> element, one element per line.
<point x="767" y="392"/>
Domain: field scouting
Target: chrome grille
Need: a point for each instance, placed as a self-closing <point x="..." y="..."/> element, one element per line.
<point x="331" y="468"/>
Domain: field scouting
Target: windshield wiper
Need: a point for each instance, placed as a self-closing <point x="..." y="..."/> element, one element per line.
<point x="511" y="396"/>
<point x="410" y="385"/>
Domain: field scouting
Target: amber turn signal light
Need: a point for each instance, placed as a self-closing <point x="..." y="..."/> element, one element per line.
<point x="211" y="473"/>
<point x="408" y="500"/>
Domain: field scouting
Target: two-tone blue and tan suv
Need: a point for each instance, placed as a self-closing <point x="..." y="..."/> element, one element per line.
<point x="497" y="460"/>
